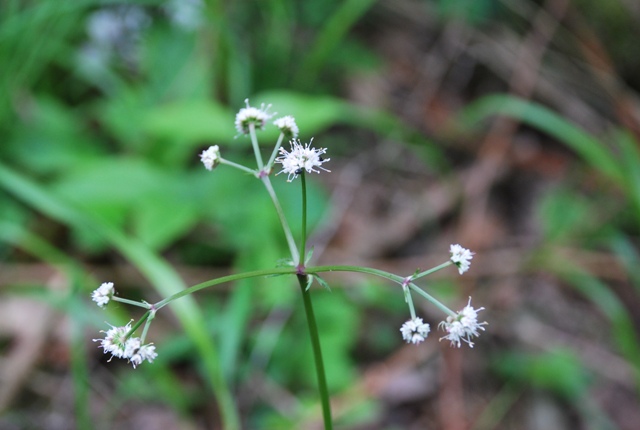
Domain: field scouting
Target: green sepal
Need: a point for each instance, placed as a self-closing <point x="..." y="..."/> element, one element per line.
<point x="285" y="262"/>
<point x="308" y="256"/>
<point x="322" y="282"/>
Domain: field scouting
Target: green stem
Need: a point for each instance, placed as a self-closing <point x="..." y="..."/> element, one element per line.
<point x="292" y="271"/>
<point x="274" y="154"/>
<point x="283" y="220"/>
<point x="152" y="315"/>
<point x="432" y="299"/>
<point x="317" y="353"/>
<point x="138" y="323"/>
<point x="303" y="238"/>
<point x="430" y="271"/>
<point x="131" y="302"/>
<point x="381" y="274"/>
<point x="238" y="166"/>
<point x="222" y="280"/>
<point x="254" y="143"/>
<point x="412" y="309"/>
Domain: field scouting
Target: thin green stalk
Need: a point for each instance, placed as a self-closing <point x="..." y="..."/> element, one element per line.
<point x="138" y="323"/>
<point x="308" y="270"/>
<point x="303" y="236"/>
<point x="222" y="280"/>
<point x="412" y="309"/>
<point x="430" y="271"/>
<point x="274" y="154"/>
<point x="238" y="166"/>
<point x="256" y="147"/>
<point x="432" y="299"/>
<point x="131" y="302"/>
<point x="317" y="353"/>
<point x="283" y="220"/>
<point x="152" y="315"/>
<point x="381" y="274"/>
<point x="311" y="318"/>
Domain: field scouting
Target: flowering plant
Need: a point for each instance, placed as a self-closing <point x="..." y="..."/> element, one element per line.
<point x="296" y="162"/>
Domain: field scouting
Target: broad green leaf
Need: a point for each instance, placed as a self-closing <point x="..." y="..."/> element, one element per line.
<point x="191" y="122"/>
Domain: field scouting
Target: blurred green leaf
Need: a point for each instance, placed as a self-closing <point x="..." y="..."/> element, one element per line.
<point x="591" y="149"/>
<point x="565" y="214"/>
<point x="52" y="139"/>
<point x="190" y="121"/>
<point x="330" y="37"/>
<point x="472" y="11"/>
<point x="559" y="371"/>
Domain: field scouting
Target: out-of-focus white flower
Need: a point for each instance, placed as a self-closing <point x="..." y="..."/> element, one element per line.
<point x="115" y="341"/>
<point x="301" y="158"/>
<point x="186" y="14"/>
<point x="414" y="330"/>
<point x="210" y="157"/>
<point x="103" y="294"/>
<point x="463" y="326"/>
<point x="249" y="115"/>
<point x="461" y="257"/>
<point x="118" y="345"/>
<point x="145" y="352"/>
<point x="287" y="125"/>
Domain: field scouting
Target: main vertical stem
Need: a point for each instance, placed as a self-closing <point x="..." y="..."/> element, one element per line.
<point x="317" y="353"/>
<point x="311" y="318"/>
<point x="303" y="235"/>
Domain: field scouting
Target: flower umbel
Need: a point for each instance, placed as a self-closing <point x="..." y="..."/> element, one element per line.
<point x="210" y="157"/>
<point x="415" y="331"/>
<point x="145" y="352"/>
<point x="118" y="345"/>
<point x="287" y="125"/>
<point x="461" y="257"/>
<point x="115" y="341"/>
<point x="463" y="326"/>
<point x="103" y="294"/>
<point x="249" y="115"/>
<point x="301" y="158"/>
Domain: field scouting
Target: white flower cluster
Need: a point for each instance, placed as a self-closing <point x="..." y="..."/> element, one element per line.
<point x="118" y="345"/>
<point x="463" y="326"/>
<point x="415" y="331"/>
<point x="103" y="294"/>
<point x="287" y="125"/>
<point x="248" y="115"/>
<point x="461" y="257"/>
<point x="301" y="158"/>
<point x="210" y="157"/>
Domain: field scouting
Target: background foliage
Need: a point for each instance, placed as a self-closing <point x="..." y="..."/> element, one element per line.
<point x="509" y="126"/>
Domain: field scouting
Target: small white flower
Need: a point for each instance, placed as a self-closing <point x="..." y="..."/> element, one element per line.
<point x="248" y="115"/>
<point x="463" y="326"/>
<point x="103" y="294"/>
<point x="210" y="157"/>
<point x="301" y="158"/>
<point x="115" y="341"/>
<point x="414" y="330"/>
<point x="131" y="346"/>
<point x="145" y="352"/>
<point x="460" y="257"/>
<point x="287" y="125"/>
